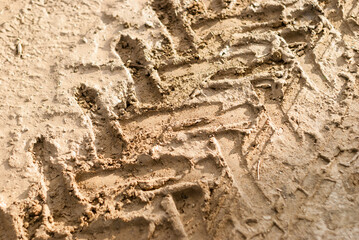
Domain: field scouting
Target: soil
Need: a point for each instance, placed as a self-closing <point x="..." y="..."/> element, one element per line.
<point x="179" y="119"/>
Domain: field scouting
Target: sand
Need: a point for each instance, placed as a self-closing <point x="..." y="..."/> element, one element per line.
<point x="179" y="119"/>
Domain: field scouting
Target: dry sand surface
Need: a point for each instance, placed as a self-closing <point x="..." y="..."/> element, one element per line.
<point x="179" y="119"/>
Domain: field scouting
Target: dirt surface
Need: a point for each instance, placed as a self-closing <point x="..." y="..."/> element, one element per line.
<point x="179" y="119"/>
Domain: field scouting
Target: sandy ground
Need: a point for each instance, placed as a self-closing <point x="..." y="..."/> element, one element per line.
<point x="179" y="119"/>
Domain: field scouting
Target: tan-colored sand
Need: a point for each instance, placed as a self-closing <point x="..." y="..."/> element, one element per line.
<point x="179" y="119"/>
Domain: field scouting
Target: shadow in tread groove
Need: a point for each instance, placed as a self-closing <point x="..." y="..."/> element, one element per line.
<point x="133" y="54"/>
<point x="107" y="142"/>
<point x="168" y="14"/>
<point x="7" y="228"/>
<point x="64" y="207"/>
<point x="188" y="204"/>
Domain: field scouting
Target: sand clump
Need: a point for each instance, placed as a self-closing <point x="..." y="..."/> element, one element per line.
<point x="184" y="119"/>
